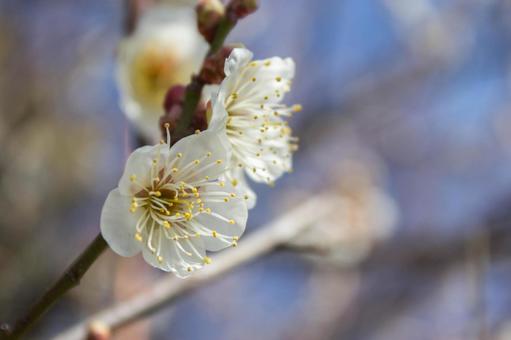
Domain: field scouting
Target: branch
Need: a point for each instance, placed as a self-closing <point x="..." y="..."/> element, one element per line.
<point x="261" y="242"/>
<point x="194" y="89"/>
<point x="69" y="279"/>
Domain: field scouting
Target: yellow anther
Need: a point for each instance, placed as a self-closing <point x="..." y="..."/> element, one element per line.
<point x="253" y="79"/>
<point x="206" y="178"/>
<point x="262" y="106"/>
<point x="219" y="161"/>
<point x="179" y="155"/>
<point x="254" y="170"/>
<point x="207" y="260"/>
<point x="233" y="194"/>
<point x="155" y="161"/>
<point x="235" y="238"/>
<point x="276" y="113"/>
<point x="189" y="269"/>
<point x="166" y="125"/>
<point x="256" y="117"/>
<point x="231" y="221"/>
<point x="138" y="237"/>
<point x="297" y="108"/>
<point x="278" y="79"/>
<point x="221" y="183"/>
<point x="253" y="64"/>
<point x="267" y="63"/>
<point x="226" y="200"/>
<point x="133" y="178"/>
<point x="214" y="233"/>
<point x="174" y="170"/>
<point x="188" y="216"/>
<point x="208" y="154"/>
<point x="240" y="165"/>
<point x="234" y="243"/>
<point x="166" y="224"/>
<point x="266" y="98"/>
<point x="245" y="197"/>
<point x="197" y="131"/>
<point x="178" y="214"/>
<point x="258" y="154"/>
<point x="160" y="259"/>
<point x="133" y="209"/>
<point x="162" y="141"/>
<point x="196" y="162"/>
<point x="234" y="182"/>
<point x="208" y="210"/>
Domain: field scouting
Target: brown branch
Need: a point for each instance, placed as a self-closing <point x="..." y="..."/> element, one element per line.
<point x="194" y="89"/>
<point x="169" y="289"/>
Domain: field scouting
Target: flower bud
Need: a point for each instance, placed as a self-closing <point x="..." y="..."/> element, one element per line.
<point x="213" y="68"/>
<point x="209" y="14"/>
<point x="239" y="9"/>
<point x="174" y="100"/>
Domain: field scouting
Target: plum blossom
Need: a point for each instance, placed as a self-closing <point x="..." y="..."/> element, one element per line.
<point x="171" y="205"/>
<point x="248" y="109"/>
<point x="164" y="50"/>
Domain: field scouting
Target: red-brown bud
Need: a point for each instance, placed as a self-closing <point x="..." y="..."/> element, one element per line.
<point x="238" y="9"/>
<point x="209" y="15"/>
<point x="213" y="68"/>
<point x="173" y="109"/>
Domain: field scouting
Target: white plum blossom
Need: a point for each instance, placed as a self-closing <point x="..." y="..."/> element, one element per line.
<point x="171" y="205"/>
<point x="164" y="50"/>
<point x="248" y="109"/>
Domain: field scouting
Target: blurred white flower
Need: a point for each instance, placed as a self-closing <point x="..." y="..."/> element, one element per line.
<point x="171" y="205"/>
<point x="248" y="109"/>
<point x="164" y="50"/>
<point x="366" y="215"/>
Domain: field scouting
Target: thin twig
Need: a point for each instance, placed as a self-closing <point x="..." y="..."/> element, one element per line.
<point x="194" y="89"/>
<point x="169" y="289"/>
<point x="69" y="279"/>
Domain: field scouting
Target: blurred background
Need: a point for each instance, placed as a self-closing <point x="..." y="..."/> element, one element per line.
<point x="407" y="116"/>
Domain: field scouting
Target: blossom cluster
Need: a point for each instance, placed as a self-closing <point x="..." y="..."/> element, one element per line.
<point x="176" y="201"/>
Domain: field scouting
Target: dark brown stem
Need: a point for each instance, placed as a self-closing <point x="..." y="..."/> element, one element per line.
<point x="69" y="279"/>
<point x="194" y="89"/>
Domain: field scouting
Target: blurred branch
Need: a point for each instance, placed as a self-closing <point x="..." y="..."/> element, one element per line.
<point x="69" y="279"/>
<point x="422" y="260"/>
<point x="263" y="241"/>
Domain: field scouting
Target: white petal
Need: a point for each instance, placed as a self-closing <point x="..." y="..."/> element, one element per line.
<point x="236" y="176"/>
<point x="118" y="224"/>
<point x="235" y="209"/>
<point x="219" y="114"/>
<point x="198" y="147"/>
<point x="239" y="58"/>
<point x="139" y="163"/>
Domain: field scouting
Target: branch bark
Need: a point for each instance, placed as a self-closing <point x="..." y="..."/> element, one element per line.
<point x="261" y="242"/>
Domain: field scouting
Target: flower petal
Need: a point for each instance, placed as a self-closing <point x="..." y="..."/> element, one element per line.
<point x="118" y="225"/>
<point x="139" y="163"/>
<point x="208" y="149"/>
<point x="236" y="176"/>
<point x="226" y="219"/>
<point x="239" y="58"/>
